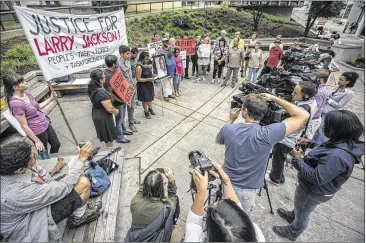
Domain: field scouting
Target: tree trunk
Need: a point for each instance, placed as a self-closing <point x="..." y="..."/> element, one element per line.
<point x="11" y="8"/>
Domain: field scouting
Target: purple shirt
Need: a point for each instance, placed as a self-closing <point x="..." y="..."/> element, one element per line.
<point x="321" y="100"/>
<point x="36" y="120"/>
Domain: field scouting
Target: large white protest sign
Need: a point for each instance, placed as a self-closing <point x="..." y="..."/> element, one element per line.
<point x="154" y="48"/>
<point x="183" y="55"/>
<point x="66" y="43"/>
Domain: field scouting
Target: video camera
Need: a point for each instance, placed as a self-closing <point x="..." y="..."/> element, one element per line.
<point x="274" y="114"/>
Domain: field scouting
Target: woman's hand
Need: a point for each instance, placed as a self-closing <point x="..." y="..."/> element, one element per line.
<point x="200" y="180"/>
<point x="219" y="169"/>
<point x="302" y="140"/>
<point x="39" y="145"/>
<point x="168" y="173"/>
<point x="85" y="152"/>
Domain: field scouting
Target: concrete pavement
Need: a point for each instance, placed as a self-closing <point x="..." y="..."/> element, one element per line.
<point x="202" y="110"/>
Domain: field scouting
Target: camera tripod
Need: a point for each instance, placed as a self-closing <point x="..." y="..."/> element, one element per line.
<point x="210" y="187"/>
<point x="265" y="187"/>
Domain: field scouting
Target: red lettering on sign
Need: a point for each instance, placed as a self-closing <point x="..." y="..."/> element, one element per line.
<point x="123" y="89"/>
<point x="188" y="46"/>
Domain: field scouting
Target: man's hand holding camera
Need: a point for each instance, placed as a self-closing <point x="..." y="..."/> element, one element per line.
<point x="234" y="113"/>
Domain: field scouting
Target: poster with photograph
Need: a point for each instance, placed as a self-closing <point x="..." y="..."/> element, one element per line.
<point x="159" y="64"/>
<point x="205" y="50"/>
<point x="154" y="48"/>
<point x="183" y="55"/>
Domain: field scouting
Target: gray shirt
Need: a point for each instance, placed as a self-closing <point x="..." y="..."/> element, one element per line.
<point x="247" y="148"/>
<point x="290" y="141"/>
<point x="126" y="70"/>
<point x="26" y="204"/>
<point x="337" y="99"/>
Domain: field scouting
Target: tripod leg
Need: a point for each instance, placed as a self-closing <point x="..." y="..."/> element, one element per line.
<point x="269" y="199"/>
<point x="162" y="96"/>
<point x="260" y="192"/>
<point x="173" y="93"/>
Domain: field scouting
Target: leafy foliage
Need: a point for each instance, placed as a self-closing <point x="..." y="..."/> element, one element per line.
<point x="17" y="56"/>
<point x="110" y="3"/>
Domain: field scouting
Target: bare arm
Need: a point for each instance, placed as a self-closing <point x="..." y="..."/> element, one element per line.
<point x="201" y="182"/>
<point x="107" y="104"/>
<point x="138" y="76"/>
<point x="115" y="97"/>
<point x="24" y="124"/>
<point x="298" y="115"/>
<point x="228" y="187"/>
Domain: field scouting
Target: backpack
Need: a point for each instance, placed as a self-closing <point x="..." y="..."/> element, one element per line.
<point x="98" y="178"/>
<point x="159" y="230"/>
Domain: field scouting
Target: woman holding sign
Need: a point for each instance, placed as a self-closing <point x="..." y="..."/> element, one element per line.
<point x="145" y="86"/>
<point x="204" y="52"/>
<point x="103" y="110"/>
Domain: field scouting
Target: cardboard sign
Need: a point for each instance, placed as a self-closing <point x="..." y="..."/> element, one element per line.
<point x="188" y="46"/>
<point x="66" y="43"/>
<point x="183" y="55"/>
<point x="154" y="48"/>
<point x="123" y="89"/>
<point x="205" y="50"/>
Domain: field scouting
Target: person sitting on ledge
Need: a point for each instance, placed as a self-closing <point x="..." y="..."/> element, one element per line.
<point x="32" y="203"/>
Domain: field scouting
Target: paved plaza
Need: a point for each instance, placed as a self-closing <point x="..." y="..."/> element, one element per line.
<point x="193" y="123"/>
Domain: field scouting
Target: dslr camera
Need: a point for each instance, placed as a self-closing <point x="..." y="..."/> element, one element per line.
<point x="200" y="161"/>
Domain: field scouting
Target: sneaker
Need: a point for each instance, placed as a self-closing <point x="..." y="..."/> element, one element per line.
<point x="281" y="232"/>
<point x="232" y="85"/>
<point x="138" y="103"/>
<point x="199" y="79"/>
<point x="203" y="79"/>
<point x="166" y="99"/>
<point x="286" y="215"/>
<point x="137" y="122"/>
<point x="133" y="128"/>
<point x="214" y="80"/>
<point x="223" y="84"/>
<point x="92" y="212"/>
<point x="178" y="92"/>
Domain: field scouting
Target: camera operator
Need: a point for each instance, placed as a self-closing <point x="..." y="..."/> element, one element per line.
<point x="324" y="170"/>
<point x="248" y="145"/>
<point x="226" y="220"/>
<point x="303" y="96"/>
<point x="157" y="193"/>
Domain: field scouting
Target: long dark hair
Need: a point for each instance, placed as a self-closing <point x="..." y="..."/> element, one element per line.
<point x="95" y="77"/>
<point x="142" y="56"/>
<point x="351" y="77"/>
<point x="153" y="185"/>
<point x="342" y="126"/>
<point x="9" y="82"/>
<point x="227" y="223"/>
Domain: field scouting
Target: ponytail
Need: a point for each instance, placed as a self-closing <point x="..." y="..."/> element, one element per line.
<point x="9" y="82"/>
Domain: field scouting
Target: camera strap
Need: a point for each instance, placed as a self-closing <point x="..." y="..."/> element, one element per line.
<point x="308" y="109"/>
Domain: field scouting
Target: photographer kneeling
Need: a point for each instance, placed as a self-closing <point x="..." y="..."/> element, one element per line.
<point x="303" y="96"/>
<point x="226" y="220"/>
<point x="155" y="208"/>
<point x="248" y="144"/>
<point x="324" y="170"/>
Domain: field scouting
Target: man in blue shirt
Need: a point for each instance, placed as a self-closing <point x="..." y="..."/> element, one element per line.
<point x="248" y="144"/>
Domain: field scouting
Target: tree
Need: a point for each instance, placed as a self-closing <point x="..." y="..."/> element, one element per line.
<point x="110" y="3"/>
<point x="257" y="8"/>
<point x="325" y="9"/>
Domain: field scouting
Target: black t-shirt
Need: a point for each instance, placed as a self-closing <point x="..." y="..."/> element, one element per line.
<point x="108" y="75"/>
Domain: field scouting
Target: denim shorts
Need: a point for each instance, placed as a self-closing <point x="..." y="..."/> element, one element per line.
<point x="177" y="79"/>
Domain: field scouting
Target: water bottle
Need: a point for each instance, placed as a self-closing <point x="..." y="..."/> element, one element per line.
<point x="43" y="154"/>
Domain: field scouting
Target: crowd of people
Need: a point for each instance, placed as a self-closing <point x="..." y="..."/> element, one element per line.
<point x="33" y="203"/>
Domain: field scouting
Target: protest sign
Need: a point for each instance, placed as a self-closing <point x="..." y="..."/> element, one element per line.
<point x="182" y="55"/>
<point x="65" y="43"/>
<point x="154" y="48"/>
<point x="188" y="46"/>
<point x="123" y="89"/>
<point x="205" y="50"/>
<point x="159" y="64"/>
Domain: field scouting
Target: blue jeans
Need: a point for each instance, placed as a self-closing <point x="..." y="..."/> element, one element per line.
<point x="119" y="121"/>
<point x="304" y="204"/>
<point x="252" y="71"/>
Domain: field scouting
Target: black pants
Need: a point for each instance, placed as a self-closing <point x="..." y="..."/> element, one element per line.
<point x="194" y="64"/>
<point x="187" y="68"/>
<point x="50" y="136"/>
<point x="266" y="70"/>
<point x="218" y="69"/>
<point x="209" y="66"/>
<point x="279" y="153"/>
